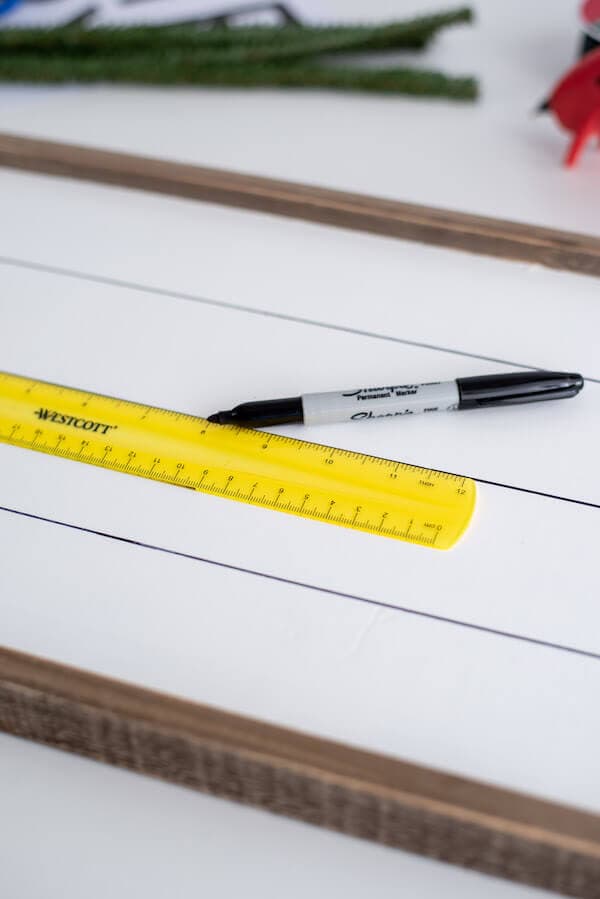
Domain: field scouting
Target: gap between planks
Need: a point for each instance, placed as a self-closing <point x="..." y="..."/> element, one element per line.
<point x="487" y="236"/>
<point x="345" y="789"/>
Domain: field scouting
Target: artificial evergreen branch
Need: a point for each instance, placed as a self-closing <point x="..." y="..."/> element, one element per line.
<point x="183" y="68"/>
<point x="254" y="56"/>
<point x="250" y="43"/>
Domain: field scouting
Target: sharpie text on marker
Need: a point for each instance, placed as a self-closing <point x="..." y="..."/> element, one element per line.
<point x="404" y="399"/>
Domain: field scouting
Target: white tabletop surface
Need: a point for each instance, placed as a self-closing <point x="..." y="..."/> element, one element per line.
<point x="71" y="827"/>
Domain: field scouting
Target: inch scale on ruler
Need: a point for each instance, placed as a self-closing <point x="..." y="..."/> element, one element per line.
<point x="322" y="483"/>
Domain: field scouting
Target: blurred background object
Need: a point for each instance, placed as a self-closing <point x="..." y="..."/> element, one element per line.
<point x="7" y="5"/>
<point x="590" y="18"/>
<point x="53" y="13"/>
<point x="575" y="101"/>
<point x="202" y="45"/>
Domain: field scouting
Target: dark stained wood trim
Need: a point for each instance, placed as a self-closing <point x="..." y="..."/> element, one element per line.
<point x="314" y="780"/>
<point x="390" y="218"/>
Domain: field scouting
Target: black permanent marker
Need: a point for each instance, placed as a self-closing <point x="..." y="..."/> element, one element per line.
<point x="405" y="399"/>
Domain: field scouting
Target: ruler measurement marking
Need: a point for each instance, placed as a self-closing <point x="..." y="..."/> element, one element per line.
<point x="172" y="479"/>
<point x="268" y="475"/>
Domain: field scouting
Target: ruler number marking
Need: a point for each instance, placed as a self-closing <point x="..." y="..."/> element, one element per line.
<point x="167" y="430"/>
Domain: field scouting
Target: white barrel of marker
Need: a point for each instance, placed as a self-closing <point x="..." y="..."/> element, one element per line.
<point x="363" y="404"/>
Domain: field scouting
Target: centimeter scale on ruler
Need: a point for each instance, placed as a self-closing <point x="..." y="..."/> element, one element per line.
<point x="322" y="483"/>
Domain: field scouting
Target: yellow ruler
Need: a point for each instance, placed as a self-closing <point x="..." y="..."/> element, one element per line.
<point x="380" y="496"/>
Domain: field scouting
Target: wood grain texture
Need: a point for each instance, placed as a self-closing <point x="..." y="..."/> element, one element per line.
<point x="318" y="781"/>
<point x="407" y="221"/>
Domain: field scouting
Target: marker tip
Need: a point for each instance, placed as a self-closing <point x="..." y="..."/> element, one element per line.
<point x="222" y="418"/>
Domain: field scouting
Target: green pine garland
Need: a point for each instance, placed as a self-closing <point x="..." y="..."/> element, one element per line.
<point x="283" y="56"/>
<point x="185" y="69"/>
<point x="308" y="40"/>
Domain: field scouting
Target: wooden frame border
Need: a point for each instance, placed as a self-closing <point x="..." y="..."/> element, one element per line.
<point x="359" y="793"/>
<point x="311" y="779"/>
<point x="357" y="212"/>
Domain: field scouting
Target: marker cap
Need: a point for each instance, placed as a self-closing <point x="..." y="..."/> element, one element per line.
<point x="517" y="387"/>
